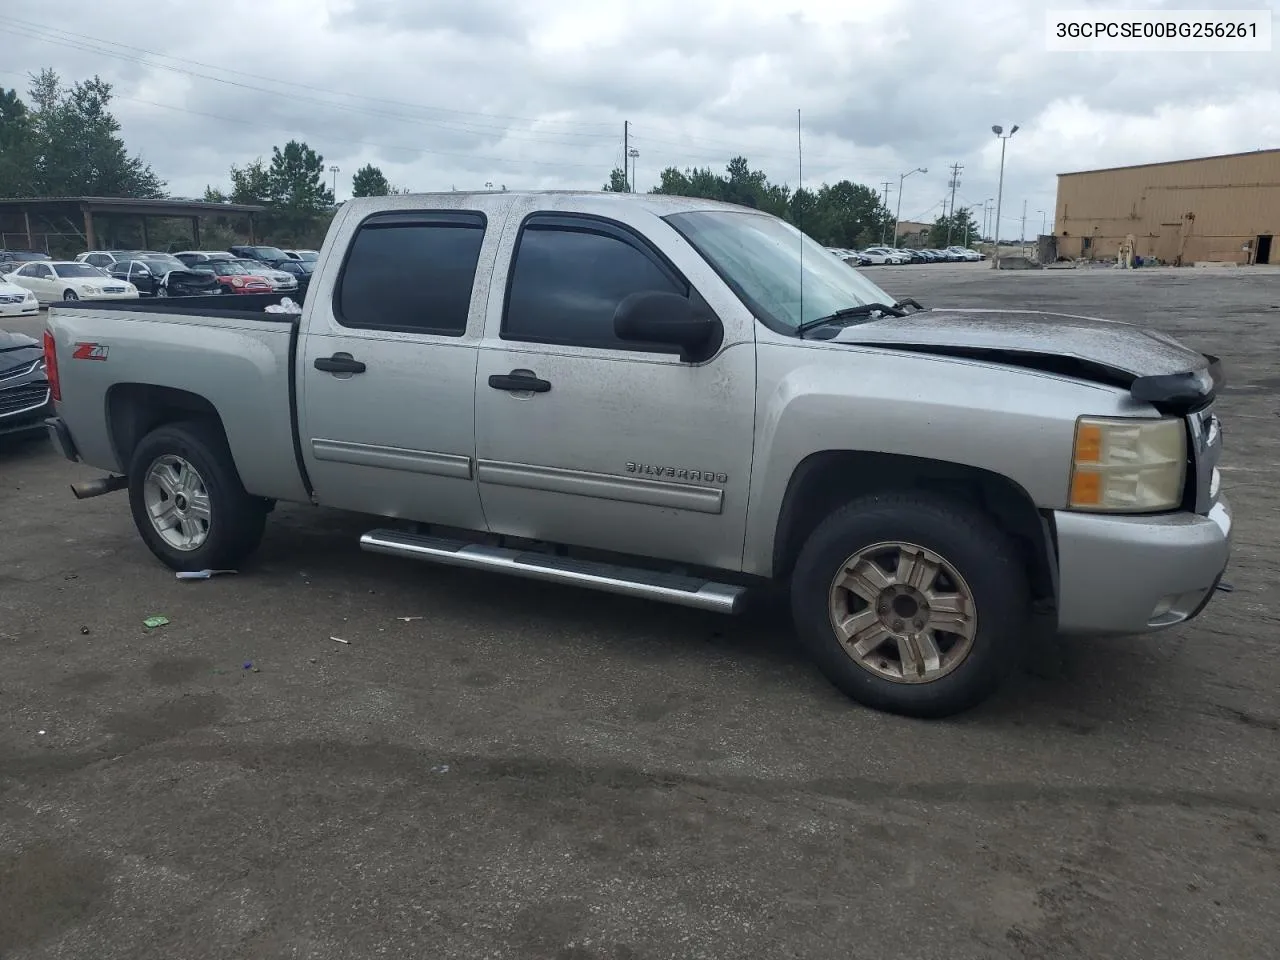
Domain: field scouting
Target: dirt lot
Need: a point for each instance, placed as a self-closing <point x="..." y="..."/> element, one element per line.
<point x="532" y="772"/>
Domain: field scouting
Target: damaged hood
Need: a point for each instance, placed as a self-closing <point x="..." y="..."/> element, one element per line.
<point x="1154" y="366"/>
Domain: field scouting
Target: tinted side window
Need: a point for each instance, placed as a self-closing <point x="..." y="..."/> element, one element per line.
<point x="411" y="272"/>
<point x="566" y="283"/>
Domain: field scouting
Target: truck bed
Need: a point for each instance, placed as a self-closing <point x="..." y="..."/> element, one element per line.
<point x="117" y="359"/>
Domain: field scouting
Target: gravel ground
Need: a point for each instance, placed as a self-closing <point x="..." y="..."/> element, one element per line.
<point x="534" y="772"/>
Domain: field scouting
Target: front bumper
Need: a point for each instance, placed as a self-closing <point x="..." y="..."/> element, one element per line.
<point x="23" y="420"/>
<point x="1138" y="574"/>
<point x="23" y="308"/>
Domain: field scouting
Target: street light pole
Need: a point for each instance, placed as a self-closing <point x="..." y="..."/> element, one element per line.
<point x="897" y="218"/>
<point x="633" y="153"/>
<point x="334" y="170"/>
<point x="1004" y="139"/>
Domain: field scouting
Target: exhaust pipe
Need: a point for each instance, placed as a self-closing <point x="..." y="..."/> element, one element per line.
<point x="96" y="488"/>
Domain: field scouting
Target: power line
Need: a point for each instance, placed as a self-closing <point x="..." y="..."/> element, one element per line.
<point x="359" y="143"/>
<point x="506" y="132"/>
<point x="44" y="28"/>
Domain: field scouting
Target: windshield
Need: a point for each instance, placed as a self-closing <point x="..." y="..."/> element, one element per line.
<point x="162" y="264"/>
<point x="266" y="253"/>
<point x="224" y="268"/>
<point x="759" y="256"/>
<point x="309" y="256"/>
<point x="250" y="265"/>
<point x="69" y="270"/>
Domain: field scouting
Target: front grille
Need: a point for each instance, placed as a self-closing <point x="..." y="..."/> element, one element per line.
<point x="22" y="398"/>
<point x="19" y="371"/>
<point x="113" y="289"/>
<point x="12" y="297"/>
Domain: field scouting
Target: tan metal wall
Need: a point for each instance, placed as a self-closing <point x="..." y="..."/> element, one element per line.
<point x="1191" y="210"/>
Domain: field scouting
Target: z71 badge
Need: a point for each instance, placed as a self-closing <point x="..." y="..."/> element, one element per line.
<point x="676" y="473"/>
<point x="89" y="351"/>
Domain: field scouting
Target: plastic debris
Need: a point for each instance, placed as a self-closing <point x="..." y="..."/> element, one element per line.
<point x="443" y="768"/>
<point x="286" y="305"/>
<point x="41" y="732"/>
<point x="84" y="630"/>
<point x="408" y="619"/>
<point x="248" y="664"/>
<point x="340" y="640"/>
<point x="1224" y="587"/>
<point x="200" y="574"/>
<point x="152" y="622"/>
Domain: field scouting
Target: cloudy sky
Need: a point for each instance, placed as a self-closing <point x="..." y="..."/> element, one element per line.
<point x="533" y="93"/>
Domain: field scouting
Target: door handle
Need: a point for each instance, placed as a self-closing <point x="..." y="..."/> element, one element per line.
<point x="339" y="363"/>
<point x="519" y="381"/>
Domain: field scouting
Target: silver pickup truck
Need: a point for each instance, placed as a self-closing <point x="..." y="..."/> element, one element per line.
<point x="674" y="399"/>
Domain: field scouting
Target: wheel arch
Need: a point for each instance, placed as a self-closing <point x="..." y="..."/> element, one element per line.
<point x="825" y="480"/>
<point x="135" y="409"/>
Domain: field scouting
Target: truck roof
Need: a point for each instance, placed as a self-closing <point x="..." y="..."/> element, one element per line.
<point x="658" y="204"/>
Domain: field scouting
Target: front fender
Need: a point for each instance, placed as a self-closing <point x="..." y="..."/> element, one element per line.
<point x="814" y="397"/>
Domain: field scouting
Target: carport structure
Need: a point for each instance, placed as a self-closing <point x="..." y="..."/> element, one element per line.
<point x="17" y="217"/>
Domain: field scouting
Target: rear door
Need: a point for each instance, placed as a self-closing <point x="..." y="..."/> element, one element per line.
<point x="387" y="366"/>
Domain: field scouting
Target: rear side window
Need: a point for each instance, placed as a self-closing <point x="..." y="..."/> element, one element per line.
<point x="570" y="274"/>
<point x="411" y="272"/>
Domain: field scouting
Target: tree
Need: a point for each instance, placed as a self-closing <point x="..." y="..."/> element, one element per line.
<point x="617" y="181"/>
<point x="250" y="183"/>
<point x="77" y="150"/>
<point x="214" y="195"/>
<point x="296" y="179"/>
<point x="17" y="146"/>
<point x="961" y="225"/>
<point x="370" y="182"/>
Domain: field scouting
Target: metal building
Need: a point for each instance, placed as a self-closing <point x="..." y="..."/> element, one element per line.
<point x="1224" y="208"/>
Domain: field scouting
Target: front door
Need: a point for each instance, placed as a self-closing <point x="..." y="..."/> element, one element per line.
<point x="611" y="447"/>
<point x="387" y="368"/>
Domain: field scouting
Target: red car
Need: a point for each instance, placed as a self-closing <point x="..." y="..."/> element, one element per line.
<point x="233" y="278"/>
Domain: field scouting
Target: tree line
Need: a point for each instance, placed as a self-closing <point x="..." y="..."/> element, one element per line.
<point x="842" y="214"/>
<point x="64" y="141"/>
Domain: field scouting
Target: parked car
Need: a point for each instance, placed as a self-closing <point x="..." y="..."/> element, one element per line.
<point x="199" y="256"/>
<point x="262" y="254"/>
<point x="1038" y="461"/>
<point x="11" y="260"/>
<point x="913" y="256"/>
<point x="883" y="255"/>
<point x="231" y="277"/>
<point x="309" y="256"/>
<point x="964" y="253"/>
<point x="25" y="400"/>
<point x="163" y="276"/>
<point x="300" y="270"/>
<point x="101" y="258"/>
<point x="872" y="256"/>
<point x="16" y="301"/>
<point x="282" y="281"/>
<point x="52" y="280"/>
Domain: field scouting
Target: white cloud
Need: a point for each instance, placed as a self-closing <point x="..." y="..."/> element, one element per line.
<point x="534" y="94"/>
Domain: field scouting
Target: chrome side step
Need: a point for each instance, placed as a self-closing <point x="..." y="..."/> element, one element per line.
<point x="628" y="581"/>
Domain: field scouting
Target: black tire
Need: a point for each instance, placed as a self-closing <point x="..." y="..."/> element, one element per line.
<point x="161" y="290"/>
<point x="225" y="289"/>
<point x="970" y="542"/>
<point x="69" y="295"/>
<point x="236" y="519"/>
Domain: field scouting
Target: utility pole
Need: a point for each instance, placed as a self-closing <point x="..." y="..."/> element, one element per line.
<point x="626" y="146"/>
<point x="1004" y="142"/>
<point x="1023" y="240"/>
<point x="955" y="182"/>
<point x="885" y="225"/>
<point x="634" y="154"/>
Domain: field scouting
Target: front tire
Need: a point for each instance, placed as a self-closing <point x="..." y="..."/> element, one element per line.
<point x="69" y="296"/>
<point x="911" y="604"/>
<point x="187" y="500"/>
<point x="162" y="291"/>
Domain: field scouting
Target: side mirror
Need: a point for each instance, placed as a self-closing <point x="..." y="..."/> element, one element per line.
<point x="670" y="319"/>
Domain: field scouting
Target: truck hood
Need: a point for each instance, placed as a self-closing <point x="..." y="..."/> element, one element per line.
<point x="1153" y="366"/>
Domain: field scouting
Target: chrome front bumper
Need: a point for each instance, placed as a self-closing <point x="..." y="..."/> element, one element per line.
<point x="1138" y="574"/>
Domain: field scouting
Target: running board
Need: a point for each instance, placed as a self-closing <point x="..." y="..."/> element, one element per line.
<point x="628" y="581"/>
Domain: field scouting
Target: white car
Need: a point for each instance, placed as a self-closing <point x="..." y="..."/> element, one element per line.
<point x="16" y="301"/>
<point x="965" y="254"/>
<point x="883" y="255"/>
<point x="54" y="280"/>
<point x="310" y="256"/>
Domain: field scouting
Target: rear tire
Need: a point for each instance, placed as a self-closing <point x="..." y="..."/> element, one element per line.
<point x="187" y="500"/>
<point x="879" y="582"/>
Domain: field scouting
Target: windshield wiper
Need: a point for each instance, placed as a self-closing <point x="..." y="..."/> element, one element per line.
<point x="908" y="302"/>
<point x="850" y="313"/>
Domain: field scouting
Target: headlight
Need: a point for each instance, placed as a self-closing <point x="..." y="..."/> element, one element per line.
<point x="1128" y="465"/>
<point x="87" y="288"/>
<point x="29" y="296"/>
